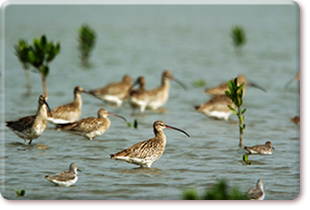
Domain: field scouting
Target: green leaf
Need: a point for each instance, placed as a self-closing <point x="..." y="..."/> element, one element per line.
<point x="231" y="86"/>
<point x="245" y="158"/>
<point x="45" y="70"/>
<point x="243" y="111"/>
<point x="243" y="127"/>
<point x="232" y="109"/>
<point x="22" y="192"/>
<point x="228" y="94"/>
<point x="135" y="124"/>
<point x="17" y="192"/>
<point x="128" y="124"/>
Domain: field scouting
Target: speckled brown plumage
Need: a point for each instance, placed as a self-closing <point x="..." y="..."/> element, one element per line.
<point x="221" y="88"/>
<point x="90" y="127"/>
<point x="146" y="152"/>
<point x="31" y="127"/>
<point x="157" y="97"/>
<point x="114" y="92"/>
<point x="261" y="149"/>
<point x="217" y="107"/>
<point x="69" y="112"/>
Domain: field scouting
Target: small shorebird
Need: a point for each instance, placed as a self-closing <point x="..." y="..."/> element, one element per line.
<point x="114" y="92"/>
<point x="220" y="89"/>
<point x="137" y="97"/>
<point x="69" y="112"/>
<point x="265" y="149"/>
<point x="296" y="120"/>
<point x="65" y="178"/>
<point x="90" y="127"/>
<point x="155" y="98"/>
<point x="217" y="107"/>
<point x="257" y="193"/>
<point x="146" y="152"/>
<point x="31" y="127"/>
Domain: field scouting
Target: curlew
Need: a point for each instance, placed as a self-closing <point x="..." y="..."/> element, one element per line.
<point x="217" y="107"/>
<point x="114" y="93"/>
<point x="155" y="98"/>
<point x="220" y="89"/>
<point x="257" y="193"/>
<point x="138" y="97"/>
<point x="146" y="152"/>
<point x="31" y="127"/>
<point x="65" y="178"/>
<point x="69" y="112"/>
<point x="265" y="149"/>
<point x="90" y="127"/>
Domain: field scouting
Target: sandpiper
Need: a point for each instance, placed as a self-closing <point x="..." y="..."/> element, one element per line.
<point x="31" y="127"/>
<point x="296" y="120"/>
<point x="137" y="97"/>
<point x="257" y="193"/>
<point x="157" y="97"/>
<point x="220" y="89"/>
<point x="65" y="178"/>
<point x="217" y="107"/>
<point x="146" y="152"/>
<point x="114" y="93"/>
<point x="69" y="112"/>
<point x="261" y="149"/>
<point x="90" y="127"/>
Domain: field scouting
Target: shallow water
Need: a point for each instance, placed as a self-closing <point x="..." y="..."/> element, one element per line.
<point x="193" y="43"/>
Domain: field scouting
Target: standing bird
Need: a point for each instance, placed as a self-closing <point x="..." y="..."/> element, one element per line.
<point x="146" y="152"/>
<point x="90" y="127"/>
<point x="69" y="112"/>
<point x="155" y="98"/>
<point x="65" y="178"/>
<point x="221" y="88"/>
<point x="261" y="149"/>
<point x="137" y="97"/>
<point x="31" y="127"/>
<point x="257" y="193"/>
<point x="217" y="106"/>
<point x="114" y="92"/>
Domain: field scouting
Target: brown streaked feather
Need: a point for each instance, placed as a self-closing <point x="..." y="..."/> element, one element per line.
<point x="142" y="150"/>
<point x="62" y="176"/>
<point x="22" y="123"/>
<point x="217" y="103"/>
<point x="85" y="125"/>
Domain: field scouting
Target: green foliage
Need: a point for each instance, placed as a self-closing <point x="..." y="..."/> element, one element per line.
<point x="42" y="53"/>
<point x="245" y="158"/>
<point x="87" y="40"/>
<point x="219" y="191"/>
<point x="238" y="36"/>
<point x="199" y="83"/>
<point x="21" y="193"/>
<point x="38" y="55"/>
<point x="21" y="51"/>
<point x="135" y="124"/>
<point x="190" y="194"/>
<point x="235" y="93"/>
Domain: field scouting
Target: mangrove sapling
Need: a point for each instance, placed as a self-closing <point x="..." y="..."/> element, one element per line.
<point x="238" y="37"/>
<point x="235" y="93"/>
<point x="87" y="40"/>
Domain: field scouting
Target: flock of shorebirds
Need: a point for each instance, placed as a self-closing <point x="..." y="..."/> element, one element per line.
<point x="66" y="118"/>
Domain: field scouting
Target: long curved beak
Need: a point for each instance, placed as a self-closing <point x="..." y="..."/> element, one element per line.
<point x="290" y="82"/>
<point x="117" y="116"/>
<point x="179" y="82"/>
<point x="48" y="107"/>
<point x="171" y="127"/>
<point x="252" y="84"/>
<point x="273" y="148"/>
<point x="79" y="170"/>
